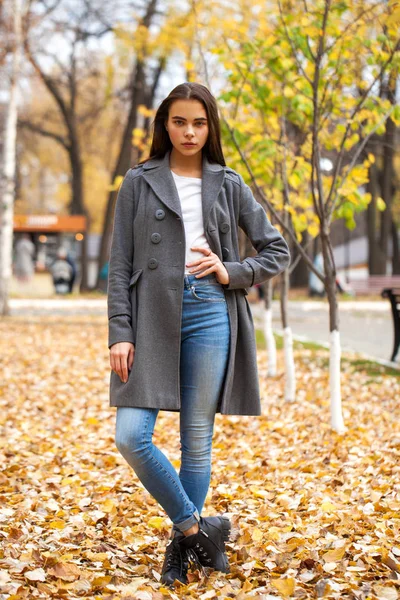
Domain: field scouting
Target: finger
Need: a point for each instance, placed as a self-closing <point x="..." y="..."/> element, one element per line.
<point x="202" y="265"/>
<point x="130" y="357"/>
<point x="197" y="262"/>
<point x="202" y="261"/>
<point x="117" y="366"/>
<point x="124" y="368"/>
<point x="212" y="269"/>
<point x="120" y="367"/>
<point x="201" y="249"/>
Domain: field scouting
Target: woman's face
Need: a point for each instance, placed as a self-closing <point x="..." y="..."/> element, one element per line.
<point x="187" y="124"/>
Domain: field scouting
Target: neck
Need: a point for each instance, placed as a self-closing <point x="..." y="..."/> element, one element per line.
<point x="186" y="165"/>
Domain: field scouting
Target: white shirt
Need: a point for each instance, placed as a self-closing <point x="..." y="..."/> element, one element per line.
<point x="189" y="192"/>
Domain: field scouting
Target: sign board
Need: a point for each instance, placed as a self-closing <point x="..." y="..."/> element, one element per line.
<point x="61" y="223"/>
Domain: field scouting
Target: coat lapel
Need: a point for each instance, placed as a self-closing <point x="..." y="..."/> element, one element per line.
<point x="158" y="175"/>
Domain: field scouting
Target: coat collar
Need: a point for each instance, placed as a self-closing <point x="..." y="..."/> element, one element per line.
<point x="159" y="176"/>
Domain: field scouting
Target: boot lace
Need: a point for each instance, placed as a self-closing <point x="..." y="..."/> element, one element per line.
<point x="175" y="558"/>
<point x="194" y="558"/>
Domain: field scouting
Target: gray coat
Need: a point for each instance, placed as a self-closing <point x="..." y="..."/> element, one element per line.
<point x="146" y="276"/>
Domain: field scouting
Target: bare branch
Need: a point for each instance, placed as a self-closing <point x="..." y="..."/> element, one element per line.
<point x="44" y="132"/>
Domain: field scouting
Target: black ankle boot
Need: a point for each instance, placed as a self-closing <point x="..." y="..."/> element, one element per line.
<point x="206" y="548"/>
<point x="176" y="562"/>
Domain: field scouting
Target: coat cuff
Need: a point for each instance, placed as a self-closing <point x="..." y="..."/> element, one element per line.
<point x="241" y="275"/>
<point x="120" y="330"/>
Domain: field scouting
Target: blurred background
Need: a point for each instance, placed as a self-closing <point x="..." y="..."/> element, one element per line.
<point x="83" y="79"/>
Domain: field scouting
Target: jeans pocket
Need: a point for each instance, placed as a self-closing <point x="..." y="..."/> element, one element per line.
<point x="208" y="292"/>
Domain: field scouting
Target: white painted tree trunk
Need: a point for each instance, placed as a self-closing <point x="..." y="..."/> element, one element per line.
<point x="290" y="369"/>
<point x="8" y="175"/>
<point x="337" y="422"/>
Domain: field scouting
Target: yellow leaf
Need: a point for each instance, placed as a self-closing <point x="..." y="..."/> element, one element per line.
<point x="138" y="132"/>
<point x="156" y="522"/>
<point x="117" y="182"/>
<point x="257" y="535"/>
<point x="327" y="506"/>
<point x="108" y="506"/>
<point x="288" y="91"/>
<point x="284" y="586"/>
<point x="313" y="229"/>
<point x="380" y="204"/>
<point x="57" y="524"/>
<point x="101" y="581"/>
<point x="334" y="555"/>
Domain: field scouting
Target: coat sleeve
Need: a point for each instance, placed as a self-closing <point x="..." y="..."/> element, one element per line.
<point x="120" y="267"/>
<point x="273" y="254"/>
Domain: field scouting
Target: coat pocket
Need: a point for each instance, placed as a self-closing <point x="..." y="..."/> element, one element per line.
<point x="134" y="277"/>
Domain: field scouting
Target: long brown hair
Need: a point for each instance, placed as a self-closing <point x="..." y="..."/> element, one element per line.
<point x="185" y="91"/>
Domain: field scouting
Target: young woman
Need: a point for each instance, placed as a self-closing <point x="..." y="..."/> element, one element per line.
<point x="181" y="334"/>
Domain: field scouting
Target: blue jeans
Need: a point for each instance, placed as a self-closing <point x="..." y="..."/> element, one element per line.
<point x="205" y="339"/>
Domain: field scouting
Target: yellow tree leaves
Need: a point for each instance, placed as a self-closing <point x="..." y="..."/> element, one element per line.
<point x="277" y="90"/>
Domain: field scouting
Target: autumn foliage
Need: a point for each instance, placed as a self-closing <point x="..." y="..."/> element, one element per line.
<point x="316" y="514"/>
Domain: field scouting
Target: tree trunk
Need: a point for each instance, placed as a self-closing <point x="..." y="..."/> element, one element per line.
<point x="140" y="94"/>
<point x="76" y="206"/>
<point x="335" y="350"/>
<point x="299" y="276"/>
<point x="268" y="331"/>
<point x="122" y="165"/>
<point x="396" y="251"/>
<point x="374" y="252"/>
<point x="290" y="371"/>
<point x="388" y="174"/>
<point x="9" y="162"/>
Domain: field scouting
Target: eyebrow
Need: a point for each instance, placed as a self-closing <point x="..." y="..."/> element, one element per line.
<point x="196" y="118"/>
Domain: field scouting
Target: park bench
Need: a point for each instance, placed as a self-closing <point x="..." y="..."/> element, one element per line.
<point x="393" y="295"/>
<point x="374" y="284"/>
<point x="388" y="286"/>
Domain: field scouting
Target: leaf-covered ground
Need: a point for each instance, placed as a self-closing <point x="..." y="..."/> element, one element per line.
<point x="317" y="514"/>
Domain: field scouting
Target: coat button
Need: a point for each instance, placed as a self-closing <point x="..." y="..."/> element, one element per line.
<point x="225" y="227"/>
<point x="225" y="252"/>
<point x="155" y="238"/>
<point x="153" y="263"/>
<point x="160" y="214"/>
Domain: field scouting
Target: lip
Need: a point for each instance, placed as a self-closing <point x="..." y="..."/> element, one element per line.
<point x="188" y="144"/>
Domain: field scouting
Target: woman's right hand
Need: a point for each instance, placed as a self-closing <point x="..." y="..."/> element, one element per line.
<point x="121" y="359"/>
